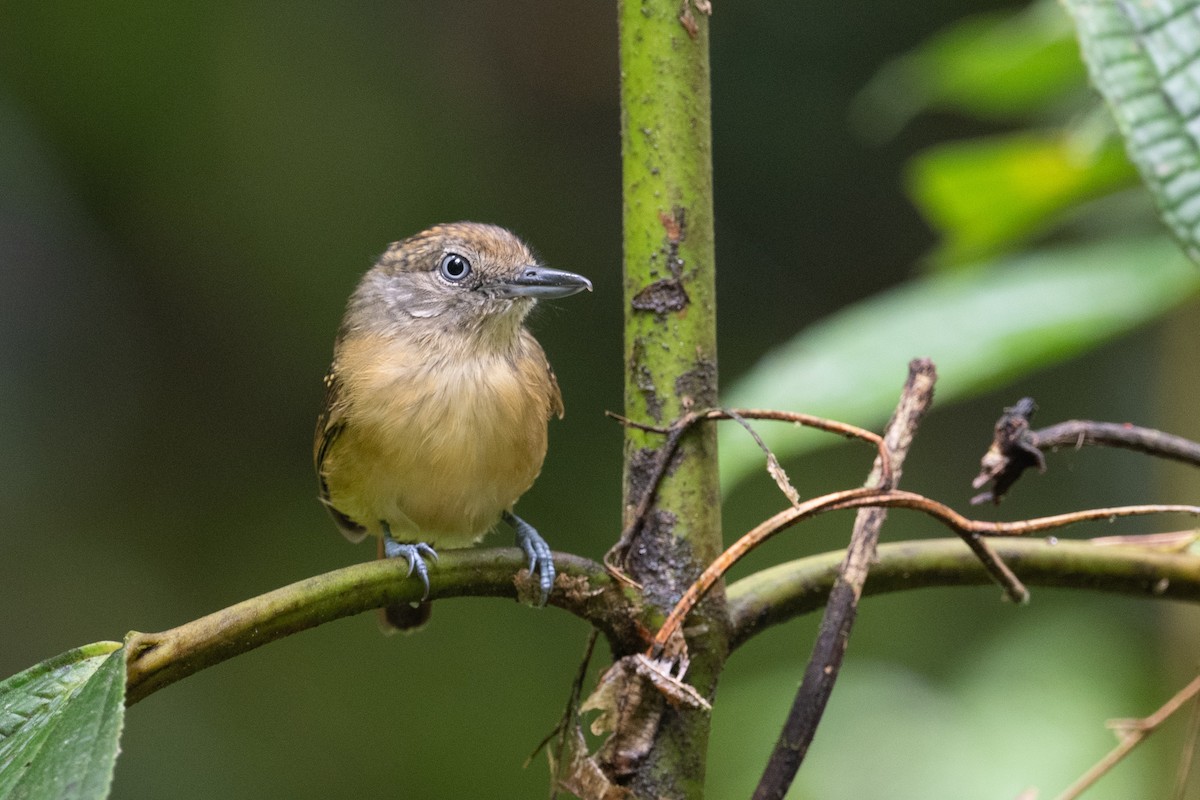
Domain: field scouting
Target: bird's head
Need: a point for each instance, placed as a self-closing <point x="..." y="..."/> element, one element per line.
<point x="461" y="275"/>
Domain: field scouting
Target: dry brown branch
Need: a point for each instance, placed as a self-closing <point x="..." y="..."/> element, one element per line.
<point x="763" y="531"/>
<point x="674" y="432"/>
<point x="859" y="498"/>
<point x="570" y="713"/>
<point x="1022" y="527"/>
<point x="1187" y="754"/>
<point x="1016" y="447"/>
<point x="829" y="650"/>
<point x="1132" y="733"/>
<point x="774" y="468"/>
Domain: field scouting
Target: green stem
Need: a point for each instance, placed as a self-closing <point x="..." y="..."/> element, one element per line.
<point x="780" y="593"/>
<point x="670" y="348"/>
<point x="159" y="659"/>
<point x="767" y="598"/>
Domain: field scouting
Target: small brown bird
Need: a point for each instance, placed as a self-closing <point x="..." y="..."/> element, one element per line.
<point x="438" y="398"/>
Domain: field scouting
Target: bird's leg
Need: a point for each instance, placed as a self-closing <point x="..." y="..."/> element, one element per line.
<point x="537" y="550"/>
<point x="414" y="554"/>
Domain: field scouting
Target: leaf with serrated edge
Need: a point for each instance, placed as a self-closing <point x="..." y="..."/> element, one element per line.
<point x="1145" y="59"/>
<point x="60" y="723"/>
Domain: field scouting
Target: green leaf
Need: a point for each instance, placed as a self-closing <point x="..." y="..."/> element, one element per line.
<point x="60" y="723"/>
<point x="1145" y="59"/>
<point x="995" y="66"/>
<point x="986" y="195"/>
<point x="981" y="327"/>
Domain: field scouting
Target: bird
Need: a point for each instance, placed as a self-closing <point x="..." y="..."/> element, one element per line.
<point x="438" y="398"/>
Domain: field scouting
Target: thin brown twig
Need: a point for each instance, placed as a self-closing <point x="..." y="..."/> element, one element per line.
<point x="1167" y="541"/>
<point x="734" y="553"/>
<point x="809" y="421"/>
<point x="1133" y="733"/>
<point x="833" y="636"/>
<point x="774" y="468"/>
<point x="570" y="713"/>
<point x="1013" y="588"/>
<point x="674" y="432"/>
<point x="616" y="553"/>
<point x="1022" y="527"/>
<point x="1187" y="753"/>
<point x="859" y="498"/>
<point x="1016" y="447"/>
<point x="1080" y="432"/>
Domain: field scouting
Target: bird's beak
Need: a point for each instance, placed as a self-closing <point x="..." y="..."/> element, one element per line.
<point x="542" y="282"/>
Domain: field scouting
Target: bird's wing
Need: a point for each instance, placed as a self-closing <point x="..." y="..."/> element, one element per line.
<point x="330" y="424"/>
<point x="554" y="400"/>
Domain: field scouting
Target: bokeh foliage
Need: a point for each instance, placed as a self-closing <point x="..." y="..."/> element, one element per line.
<point x="191" y="191"/>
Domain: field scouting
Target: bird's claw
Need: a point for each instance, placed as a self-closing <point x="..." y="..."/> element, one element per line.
<point x="541" y="560"/>
<point x="415" y="555"/>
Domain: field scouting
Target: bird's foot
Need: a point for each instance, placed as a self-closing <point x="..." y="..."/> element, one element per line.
<point x="415" y="555"/>
<point x="541" y="562"/>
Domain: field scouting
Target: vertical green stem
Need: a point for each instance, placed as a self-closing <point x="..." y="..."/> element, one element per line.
<point x="670" y="346"/>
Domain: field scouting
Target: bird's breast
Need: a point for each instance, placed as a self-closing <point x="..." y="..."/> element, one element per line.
<point x="437" y="444"/>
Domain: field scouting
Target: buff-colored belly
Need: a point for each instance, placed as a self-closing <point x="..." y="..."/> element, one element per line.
<point x="438" y="455"/>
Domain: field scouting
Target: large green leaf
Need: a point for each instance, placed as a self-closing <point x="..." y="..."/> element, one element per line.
<point x="980" y="326"/>
<point x="1002" y="65"/>
<point x="986" y="195"/>
<point x="60" y="723"/>
<point x="1145" y="59"/>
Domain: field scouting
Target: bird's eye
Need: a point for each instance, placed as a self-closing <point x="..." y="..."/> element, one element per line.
<point x="454" y="267"/>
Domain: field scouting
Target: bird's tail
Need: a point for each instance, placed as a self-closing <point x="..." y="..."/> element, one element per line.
<point x="404" y="617"/>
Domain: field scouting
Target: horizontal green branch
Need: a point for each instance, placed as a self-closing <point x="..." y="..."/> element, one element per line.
<point x="767" y="598"/>
<point x="582" y="588"/>
<point x="779" y="593"/>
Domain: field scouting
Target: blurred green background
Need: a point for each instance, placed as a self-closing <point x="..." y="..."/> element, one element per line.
<point x="188" y="192"/>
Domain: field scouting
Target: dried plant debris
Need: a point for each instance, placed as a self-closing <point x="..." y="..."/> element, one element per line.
<point x="580" y="774"/>
<point x="631" y="697"/>
<point x="1012" y="452"/>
